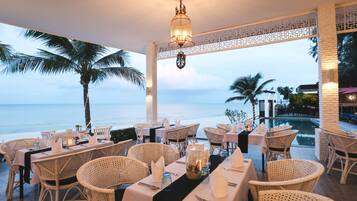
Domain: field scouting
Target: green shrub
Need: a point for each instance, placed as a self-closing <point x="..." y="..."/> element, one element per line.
<point x="123" y="134"/>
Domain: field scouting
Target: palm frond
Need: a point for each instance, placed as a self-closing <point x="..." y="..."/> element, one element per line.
<point x="61" y="44"/>
<point x="88" y="53"/>
<point x="128" y="73"/>
<point x="259" y="90"/>
<point x="235" y="98"/>
<point x="23" y="63"/>
<point x="5" y="52"/>
<point x="117" y="58"/>
<point x="97" y="75"/>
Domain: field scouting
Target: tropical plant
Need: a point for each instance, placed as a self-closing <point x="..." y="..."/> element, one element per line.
<point x="93" y="63"/>
<point x="347" y="56"/>
<point x="285" y="91"/>
<point x="248" y="89"/>
<point x="235" y="116"/>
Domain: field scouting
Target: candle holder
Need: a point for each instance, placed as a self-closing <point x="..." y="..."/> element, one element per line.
<point x="196" y="161"/>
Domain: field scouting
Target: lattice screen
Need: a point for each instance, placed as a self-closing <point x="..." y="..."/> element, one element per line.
<point x="246" y="36"/>
<point x="346" y="19"/>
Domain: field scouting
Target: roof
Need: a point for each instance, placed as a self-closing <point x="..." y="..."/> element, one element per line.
<point x="132" y="24"/>
<point x="307" y="87"/>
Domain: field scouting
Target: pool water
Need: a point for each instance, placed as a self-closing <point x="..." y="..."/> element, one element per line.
<point x="306" y="134"/>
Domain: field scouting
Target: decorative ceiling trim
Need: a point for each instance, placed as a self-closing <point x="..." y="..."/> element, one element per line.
<point x="346" y="18"/>
<point x="274" y="31"/>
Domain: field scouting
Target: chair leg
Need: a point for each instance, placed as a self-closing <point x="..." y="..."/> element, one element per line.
<point x="57" y="195"/>
<point x="11" y="181"/>
<point x="344" y="174"/>
<point x="330" y="163"/>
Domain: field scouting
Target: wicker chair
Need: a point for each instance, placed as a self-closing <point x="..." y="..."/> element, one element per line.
<point x="192" y="131"/>
<point x="291" y="195"/>
<point x="59" y="173"/>
<point x="215" y="138"/>
<point x="289" y="174"/>
<point x="225" y="127"/>
<point x="152" y="152"/>
<point x="343" y="148"/>
<point x="9" y="149"/>
<point x="279" y="145"/>
<point x="178" y="137"/>
<point x="119" y="149"/>
<point x="101" y="176"/>
<point x="139" y="130"/>
<point x="102" y="133"/>
<point x="278" y="129"/>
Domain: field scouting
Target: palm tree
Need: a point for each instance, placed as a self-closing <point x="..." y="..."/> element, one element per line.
<point x="92" y="62"/>
<point x="285" y="91"/>
<point x="247" y="89"/>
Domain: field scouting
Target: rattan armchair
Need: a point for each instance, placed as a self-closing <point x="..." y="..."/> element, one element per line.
<point x="215" y="138"/>
<point x="102" y="133"/>
<point x="291" y="195"/>
<point x="152" y="152"/>
<point x="343" y="148"/>
<point x="9" y="150"/>
<point x="101" y="176"/>
<point x="279" y="145"/>
<point x="139" y="130"/>
<point x="289" y="174"/>
<point x="178" y="137"/>
<point x="59" y="173"/>
<point x="278" y="130"/>
<point x="192" y="132"/>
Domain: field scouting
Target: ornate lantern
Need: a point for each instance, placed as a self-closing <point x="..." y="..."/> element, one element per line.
<point x="181" y="33"/>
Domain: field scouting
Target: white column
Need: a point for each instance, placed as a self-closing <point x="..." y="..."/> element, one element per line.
<point x="151" y="83"/>
<point x="328" y="74"/>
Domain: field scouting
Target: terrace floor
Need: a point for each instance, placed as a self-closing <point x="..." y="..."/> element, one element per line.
<point x="328" y="185"/>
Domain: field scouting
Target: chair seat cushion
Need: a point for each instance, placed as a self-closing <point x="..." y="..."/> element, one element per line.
<point x="278" y="149"/>
<point x="62" y="182"/>
<point x="342" y="153"/>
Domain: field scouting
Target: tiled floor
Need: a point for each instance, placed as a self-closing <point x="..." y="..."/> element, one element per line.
<point x="328" y="184"/>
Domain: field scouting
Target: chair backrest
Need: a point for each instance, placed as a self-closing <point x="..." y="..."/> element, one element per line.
<point x="225" y="127"/>
<point x="61" y="167"/>
<point x="343" y="143"/>
<point x="102" y="132"/>
<point x="119" y="149"/>
<point x="177" y="134"/>
<point x="99" y="177"/>
<point x="289" y="174"/>
<point x="292" y="195"/>
<point x="10" y="148"/>
<point x="214" y="135"/>
<point x="139" y="127"/>
<point x="148" y="152"/>
<point x="277" y="129"/>
<point x="192" y="130"/>
<point x="282" y="141"/>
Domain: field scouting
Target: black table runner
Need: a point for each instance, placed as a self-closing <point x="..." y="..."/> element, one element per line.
<point x="243" y="141"/>
<point x="153" y="133"/>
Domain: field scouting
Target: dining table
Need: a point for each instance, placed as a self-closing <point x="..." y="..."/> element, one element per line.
<point x="159" y="131"/>
<point x="181" y="188"/>
<point x="24" y="157"/>
<point x="255" y="137"/>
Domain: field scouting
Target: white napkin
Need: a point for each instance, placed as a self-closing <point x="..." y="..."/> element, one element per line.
<point x="166" y="123"/>
<point x="92" y="139"/>
<point x="237" y="160"/>
<point x="218" y="183"/>
<point x="56" y="145"/>
<point x="157" y="170"/>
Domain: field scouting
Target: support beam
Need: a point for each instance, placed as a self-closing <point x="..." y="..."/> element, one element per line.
<point x="151" y="83"/>
<point x="328" y="74"/>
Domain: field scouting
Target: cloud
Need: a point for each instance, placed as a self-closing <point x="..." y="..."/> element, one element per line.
<point x="170" y="77"/>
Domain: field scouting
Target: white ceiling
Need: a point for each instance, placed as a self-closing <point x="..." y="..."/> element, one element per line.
<point x="132" y="24"/>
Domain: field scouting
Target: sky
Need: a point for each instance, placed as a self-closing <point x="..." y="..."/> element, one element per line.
<point x="205" y="79"/>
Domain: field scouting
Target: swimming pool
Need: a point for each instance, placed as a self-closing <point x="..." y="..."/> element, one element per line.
<point x="306" y="134"/>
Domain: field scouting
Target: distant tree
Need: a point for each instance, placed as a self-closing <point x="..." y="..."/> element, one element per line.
<point x="285" y="91"/>
<point x="248" y="89"/>
<point x="93" y="63"/>
<point x="347" y="56"/>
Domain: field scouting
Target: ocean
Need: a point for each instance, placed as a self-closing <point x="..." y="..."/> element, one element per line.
<point x="28" y="120"/>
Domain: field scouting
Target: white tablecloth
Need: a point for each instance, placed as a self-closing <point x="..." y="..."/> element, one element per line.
<point x="256" y="138"/>
<point x="240" y="192"/>
<point x="160" y="132"/>
<point x="19" y="159"/>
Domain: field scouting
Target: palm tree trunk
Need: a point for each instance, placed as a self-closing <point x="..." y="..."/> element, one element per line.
<point x="253" y="106"/>
<point x="86" y="106"/>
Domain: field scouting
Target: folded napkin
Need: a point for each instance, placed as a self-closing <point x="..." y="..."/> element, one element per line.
<point x="92" y="140"/>
<point x="237" y="160"/>
<point x="218" y="183"/>
<point x="56" y="145"/>
<point x="157" y="170"/>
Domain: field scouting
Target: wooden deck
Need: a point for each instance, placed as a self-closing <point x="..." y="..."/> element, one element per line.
<point x="328" y="185"/>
